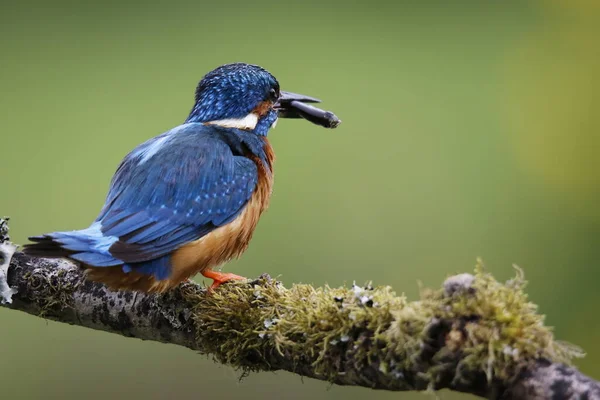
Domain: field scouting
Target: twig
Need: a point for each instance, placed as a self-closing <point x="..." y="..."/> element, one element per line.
<point x="7" y="249"/>
<point x="473" y="335"/>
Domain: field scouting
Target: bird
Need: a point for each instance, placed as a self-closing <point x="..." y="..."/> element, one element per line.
<point x="188" y="200"/>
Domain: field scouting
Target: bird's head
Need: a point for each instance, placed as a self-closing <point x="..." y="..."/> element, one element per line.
<point x="243" y="96"/>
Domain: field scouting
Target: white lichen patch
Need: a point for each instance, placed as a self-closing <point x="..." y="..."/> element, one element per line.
<point x="7" y="249"/>
<point x="458" y="283"/>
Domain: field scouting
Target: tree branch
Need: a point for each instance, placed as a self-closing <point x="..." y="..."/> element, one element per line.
<point x="474" y="335"/>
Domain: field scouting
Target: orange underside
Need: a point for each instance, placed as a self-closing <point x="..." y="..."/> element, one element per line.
<point x="201" y="256"/>
<point x="220" y="277"/>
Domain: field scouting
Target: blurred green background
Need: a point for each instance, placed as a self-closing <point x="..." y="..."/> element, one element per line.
<point x="470" y="128"/>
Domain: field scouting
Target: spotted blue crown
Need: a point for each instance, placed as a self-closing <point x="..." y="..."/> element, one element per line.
<point x="232" y="91"/>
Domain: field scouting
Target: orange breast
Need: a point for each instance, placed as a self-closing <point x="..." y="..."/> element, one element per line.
<point x="213" y="249"/>
<point x="229" y="241"/>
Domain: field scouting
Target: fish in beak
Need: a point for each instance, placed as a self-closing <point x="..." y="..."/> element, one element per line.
<point x="293" y="105"/>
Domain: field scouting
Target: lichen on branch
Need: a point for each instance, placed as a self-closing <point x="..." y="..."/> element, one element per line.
<point x="474" y="334"/>
<point x="451" y="337"/>
<point x="7" y="249"/>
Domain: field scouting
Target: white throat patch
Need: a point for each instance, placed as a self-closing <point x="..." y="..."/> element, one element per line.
<point x="248" y="122"/>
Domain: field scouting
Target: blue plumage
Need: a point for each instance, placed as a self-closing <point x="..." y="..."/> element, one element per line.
<point x="171" y="190"/>
<point x="192" y="183"/>
<point x="184" y="184"/>
<point x="232" y="91"/>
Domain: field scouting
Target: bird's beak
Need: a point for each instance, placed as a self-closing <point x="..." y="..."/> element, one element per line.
<point x="286" y="97"/>
<point x="292" y="105"/>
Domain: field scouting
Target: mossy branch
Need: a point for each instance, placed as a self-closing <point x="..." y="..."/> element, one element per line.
<point x="473" y="335"/>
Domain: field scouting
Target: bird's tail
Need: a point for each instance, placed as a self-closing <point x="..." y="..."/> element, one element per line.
<point x="88" y="246"/>
<point x="45" y="246"/>
<point x="91" y="248"/>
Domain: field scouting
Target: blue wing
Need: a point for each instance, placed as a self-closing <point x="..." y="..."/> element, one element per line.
<point x="171" y="190"/>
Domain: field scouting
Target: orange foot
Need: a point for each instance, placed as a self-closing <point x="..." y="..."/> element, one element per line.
<point x="219" y="278"/>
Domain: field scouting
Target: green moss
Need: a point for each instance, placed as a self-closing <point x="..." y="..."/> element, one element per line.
<point x="338" y="333"/>
<point x="502" y="330"/>
<point x="52" y="292"/>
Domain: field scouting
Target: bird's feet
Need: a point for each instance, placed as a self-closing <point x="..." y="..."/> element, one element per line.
<point x="219" y="278"/>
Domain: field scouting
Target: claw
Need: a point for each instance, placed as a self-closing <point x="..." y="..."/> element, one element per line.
<point x="219" y="278"/>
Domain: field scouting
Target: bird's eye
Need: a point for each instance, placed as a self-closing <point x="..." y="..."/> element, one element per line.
<point x="273" y="94"/>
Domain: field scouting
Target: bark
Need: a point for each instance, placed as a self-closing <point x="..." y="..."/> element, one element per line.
<point x="359" y="336"/>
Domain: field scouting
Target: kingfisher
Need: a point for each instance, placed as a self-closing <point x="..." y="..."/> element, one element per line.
<point x="188" y="200"/>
